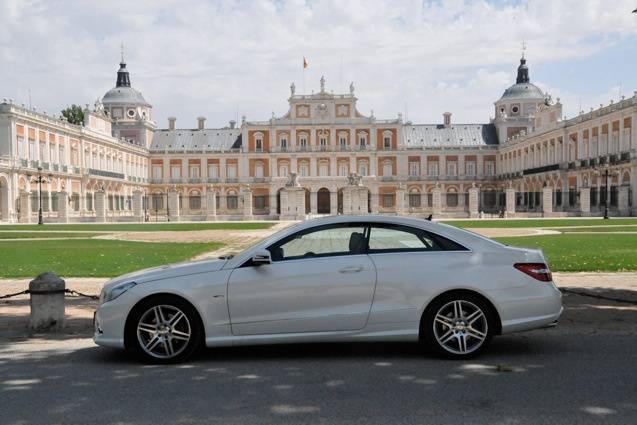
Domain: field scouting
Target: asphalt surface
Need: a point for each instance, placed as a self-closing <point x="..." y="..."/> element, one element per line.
<point x="584" y="371"/>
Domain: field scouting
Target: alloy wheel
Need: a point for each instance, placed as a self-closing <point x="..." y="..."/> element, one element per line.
<point x="460" y="327"/>
<point x="163" y="331"/>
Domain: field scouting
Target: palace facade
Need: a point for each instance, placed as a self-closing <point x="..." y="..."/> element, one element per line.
<point x="323" y="156"/>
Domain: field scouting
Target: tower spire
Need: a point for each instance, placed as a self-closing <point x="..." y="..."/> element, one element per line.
<point x="123" y="78"/>
<point x="523" y="70"/>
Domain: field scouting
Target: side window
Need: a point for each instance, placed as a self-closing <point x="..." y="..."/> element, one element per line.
<point x="324" y="241"/>
<point x="396" y="238"/>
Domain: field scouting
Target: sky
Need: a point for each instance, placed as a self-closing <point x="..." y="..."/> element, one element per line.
<point x="224" y="59"/>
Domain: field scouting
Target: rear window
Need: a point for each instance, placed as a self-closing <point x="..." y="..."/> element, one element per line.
<point x="398" y="238"/>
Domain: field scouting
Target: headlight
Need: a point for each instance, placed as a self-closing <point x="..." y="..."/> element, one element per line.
<point x="115" y="291"/>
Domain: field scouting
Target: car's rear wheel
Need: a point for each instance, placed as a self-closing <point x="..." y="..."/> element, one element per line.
<point x="458" y="325"/>
<point x="163" y="329"/>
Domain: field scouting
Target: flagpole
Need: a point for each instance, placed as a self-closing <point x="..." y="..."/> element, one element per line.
<point x="303" y="72"/>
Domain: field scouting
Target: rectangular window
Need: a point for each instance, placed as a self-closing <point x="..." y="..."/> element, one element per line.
<point x="323" y="170"/>
<point x="259" y="145"/>
<point x="22" y="149"/>
<point x="387" y="200"/>
<point x="490" y="167"/>
<point x="284" y="144"/>
<point x="258" y="171"/>
<point x="259" y="202"/>
<point x="471" y="168"/>
<point x="452" y="168"/>
<point x="433" y="168"/>
<point x="343" y="143"/>
<point x="175" y="172"/>
<point x="194" y="172"/>
<point x="303" y="169"/>
<point x="232" y="201"/>
<point x="414" y="200"/>
<point x="232" y="171"/>
<point x="194" y="202"/>
<point x="157" y="171"/>
<point x="387" y="143"/>
<point x="303" y="143"/>
<point x="414" y="169"/>
<point x="362" y="169"/>
<point x="342" y="170"/>
<point x="363" y="142"/>
<point x="396" y="238"/>
<point x="387" y="169"/>
<point x="213" y="171"/>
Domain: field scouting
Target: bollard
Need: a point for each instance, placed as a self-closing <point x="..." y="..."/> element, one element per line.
<point x="47" y="302"/>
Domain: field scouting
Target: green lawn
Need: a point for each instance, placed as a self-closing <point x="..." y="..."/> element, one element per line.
<point x="573" y="252"/>
<point x="31" y="235"/>
<point x="542" y="222"/>
<point x="96" y="257"/>
<point x="598" y="229"/>
<point x="142" y="227"/>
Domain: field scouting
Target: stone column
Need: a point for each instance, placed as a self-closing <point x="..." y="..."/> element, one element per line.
<point x="474" y="203"/>
<point x="173" y="204"/>
<point x="25" y="207"/>
<point x="247" y="204"/>
<point x="138" y="210"/>
<point x="100" y="206"/>
<point x="585" y="201"/>
<point x="547" y="201"/>
<point x="509" y="194"/>
<point x="63" y="207"/>
<point x="292" y="203"/>
<point x="363" y="193"/>
<point x="374" y="202"/>
<point x="313" y="202"/>
<point x="400" y="200"/>
<point x="333" y="203"/>
<point x="211" y="205"/>
<point x="273" y="202"/>
<point x="348" y="200"/>
<point x="622" y="200"/>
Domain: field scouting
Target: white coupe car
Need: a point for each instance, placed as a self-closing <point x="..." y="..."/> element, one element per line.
<point x="341" y="278"/>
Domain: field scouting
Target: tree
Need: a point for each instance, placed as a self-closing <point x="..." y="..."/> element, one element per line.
<point x="74" y="114"/>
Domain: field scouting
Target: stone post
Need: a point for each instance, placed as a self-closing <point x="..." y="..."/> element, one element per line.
<point x="138" y="210"/>
<point x="100" y="206"/>
<point x="273" y="202"/>
<point x="547" y="201"/>
<point x="400" y="200"/>
<point x="436" y="200"/>
<point x="585" y="201"/>
<point x="63" y="207"/>
<point x="47" y="302"/>
<point x="509" y="194"/>
<point x="622" y="200"/>
<point x="211" y="205"/>
<point x="474" y="203"/>
<point x="173" y="204"/>
<point x="363" y="193"/>
<point x="25" y="207"/>
<point x="247" y="204"/>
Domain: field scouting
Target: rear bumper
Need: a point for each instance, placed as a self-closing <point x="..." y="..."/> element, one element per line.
<point x="531" y="307"/>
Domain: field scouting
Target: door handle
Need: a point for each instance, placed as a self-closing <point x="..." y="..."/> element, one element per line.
<point x="351" y="269"/>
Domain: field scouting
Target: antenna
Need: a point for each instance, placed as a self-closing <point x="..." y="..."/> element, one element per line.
<point x="122" y="51"/>
<point x="29" y="98"/>
<point x="340" y="76"/>
<point x="523" y="48"/>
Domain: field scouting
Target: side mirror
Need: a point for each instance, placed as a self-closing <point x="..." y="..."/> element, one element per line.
<point x="261" y="257"/>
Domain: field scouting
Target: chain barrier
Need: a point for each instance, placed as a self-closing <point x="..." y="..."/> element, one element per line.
<point x="68" y="292"/>
<point x="599" y="297"/>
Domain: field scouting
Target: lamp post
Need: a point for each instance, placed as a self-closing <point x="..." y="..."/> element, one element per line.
<point x="167" y="207"/>
<point x="39" y="180"/>
<point x="607" y="174"/>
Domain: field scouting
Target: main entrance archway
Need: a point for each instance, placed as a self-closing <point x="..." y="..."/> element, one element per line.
<point x="323" y="201"/>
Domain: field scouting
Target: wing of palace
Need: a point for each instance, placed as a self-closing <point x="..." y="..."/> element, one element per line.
<point x="323" y="156"/>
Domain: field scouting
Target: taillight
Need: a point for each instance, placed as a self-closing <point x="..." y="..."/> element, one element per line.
<point x="539" y="271"/>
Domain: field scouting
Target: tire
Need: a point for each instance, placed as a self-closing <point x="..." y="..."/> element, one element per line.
<point x="458" y="336"/>
<point x="163" y="329"/>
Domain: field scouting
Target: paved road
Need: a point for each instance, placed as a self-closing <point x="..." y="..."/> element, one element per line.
<point x="581" y="372"/>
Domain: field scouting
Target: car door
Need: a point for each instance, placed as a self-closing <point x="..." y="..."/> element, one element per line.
<point x="320" y="280"/>
<point x="412" y="265"/>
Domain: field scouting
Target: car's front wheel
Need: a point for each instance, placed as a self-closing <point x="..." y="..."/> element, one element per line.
<point x="163" y="329"/>
<point x="458" y="326"/>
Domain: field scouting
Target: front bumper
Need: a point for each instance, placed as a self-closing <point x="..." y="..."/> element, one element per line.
<point x="109" y="321"/>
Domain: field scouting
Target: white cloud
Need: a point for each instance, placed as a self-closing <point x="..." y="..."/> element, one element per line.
<point x="216" y="58"/>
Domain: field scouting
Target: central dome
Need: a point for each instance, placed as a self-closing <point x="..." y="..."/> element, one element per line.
<point x="523" y="91"/>
<point x="124" y="95"/>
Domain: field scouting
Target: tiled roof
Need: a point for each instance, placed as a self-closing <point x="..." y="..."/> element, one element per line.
<point x="432" y="135"/>
<point x="214" y="140"/>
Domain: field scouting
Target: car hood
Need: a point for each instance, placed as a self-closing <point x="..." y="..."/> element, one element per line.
<point x="168" y="271"/>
